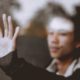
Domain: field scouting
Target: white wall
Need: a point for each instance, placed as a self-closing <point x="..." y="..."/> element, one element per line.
<point x="28" y="8"/>
<point x="69" y="5"/>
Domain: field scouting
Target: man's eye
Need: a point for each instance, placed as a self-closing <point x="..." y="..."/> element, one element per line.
<point x="63" y="34"/>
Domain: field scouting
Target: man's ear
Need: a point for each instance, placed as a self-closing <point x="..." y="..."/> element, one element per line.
<point x="78" y="45"/>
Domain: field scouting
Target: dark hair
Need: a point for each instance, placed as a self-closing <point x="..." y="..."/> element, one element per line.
<point x="51" y="10"/>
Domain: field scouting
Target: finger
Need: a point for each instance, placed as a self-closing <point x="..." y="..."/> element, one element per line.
<point x="1" y="33"/>
<point x="16" y="33"/>
<point x="10" y="27"/>
<point x="5" y="24"/>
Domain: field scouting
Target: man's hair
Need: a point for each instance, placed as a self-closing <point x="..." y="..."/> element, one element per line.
<point x="50" y="11"/>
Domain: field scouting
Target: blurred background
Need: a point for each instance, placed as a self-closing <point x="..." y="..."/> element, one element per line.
<point x="32" y="44"/>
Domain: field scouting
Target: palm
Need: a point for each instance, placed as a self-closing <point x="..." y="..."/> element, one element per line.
<point x="6" y="46"/>
<point x="8" y="41"/>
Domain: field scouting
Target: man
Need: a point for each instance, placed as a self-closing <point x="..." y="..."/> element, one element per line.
<point x="63" y="36"/>
<point x="62" y="47"/>
<point x="18" y="69"/>
<point x="63" y="41"/>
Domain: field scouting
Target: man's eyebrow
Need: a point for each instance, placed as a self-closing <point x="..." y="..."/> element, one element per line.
<point x="60" y="30"/>
<point x="63" y="30"/>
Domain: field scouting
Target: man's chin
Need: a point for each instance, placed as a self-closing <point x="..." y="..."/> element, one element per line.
<point x="54" y="55"/>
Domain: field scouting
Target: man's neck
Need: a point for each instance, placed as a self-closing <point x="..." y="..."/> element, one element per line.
<point x="62" y="65"/>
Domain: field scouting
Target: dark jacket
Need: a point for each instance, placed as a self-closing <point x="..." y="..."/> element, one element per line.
<point x="18" y="69"/>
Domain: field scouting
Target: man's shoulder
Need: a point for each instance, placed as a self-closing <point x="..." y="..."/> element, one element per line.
<point x="75" y="75"/>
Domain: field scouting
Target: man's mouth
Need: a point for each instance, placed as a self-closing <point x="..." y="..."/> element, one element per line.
<point x="54" y="49"/>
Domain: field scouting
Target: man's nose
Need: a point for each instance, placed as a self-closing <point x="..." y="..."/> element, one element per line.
<point x="55" y="38"/>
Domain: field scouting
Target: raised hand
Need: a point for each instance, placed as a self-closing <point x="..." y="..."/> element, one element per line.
<point x="8" y="41"/>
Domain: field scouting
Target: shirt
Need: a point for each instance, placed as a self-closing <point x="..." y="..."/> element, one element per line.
<point x="69" y="71"/>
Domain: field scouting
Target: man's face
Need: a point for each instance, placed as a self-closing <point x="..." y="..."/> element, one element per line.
<point x="60" y="36"/>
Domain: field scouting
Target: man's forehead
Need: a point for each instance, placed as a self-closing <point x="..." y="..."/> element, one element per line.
<point x="60" y="24"/>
